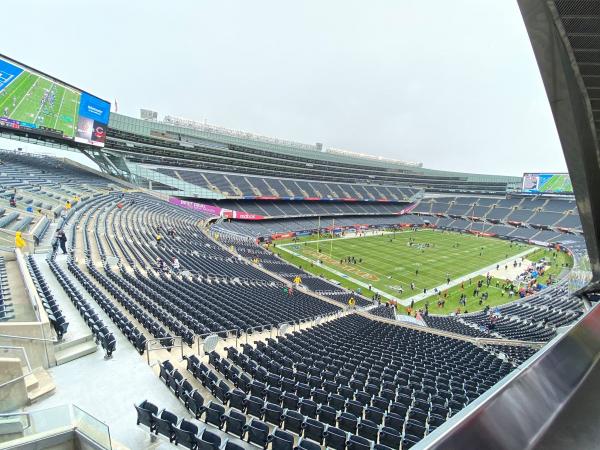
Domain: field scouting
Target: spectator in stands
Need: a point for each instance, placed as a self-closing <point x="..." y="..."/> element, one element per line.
<point x="62" y="240"/>
<point x="171" y="232"/>
<point x="158" y="238"/>
<point x="176" y="265"/>
<point x="68" y="205"/>
<point x="19" y="241"/>
<point x="351" y="302"/>
<point x="12" y="202"/>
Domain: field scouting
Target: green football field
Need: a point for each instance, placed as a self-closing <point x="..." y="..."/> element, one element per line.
<point x="557" y="183"/>
<point x="558" y="263"/>
<point x="23" y="100"/>
<point x="389" y="262"/>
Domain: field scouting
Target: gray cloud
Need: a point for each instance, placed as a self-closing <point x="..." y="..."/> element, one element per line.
<point x="452" y="84"/>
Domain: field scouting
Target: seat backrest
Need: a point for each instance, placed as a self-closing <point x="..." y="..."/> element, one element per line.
<point x="149" y="407"/>
<point x="197" y="397"/>
<point x="234" y="413"/>
<point x="232" y="446"/>
<point x="259" y="425"/>
<point x="188" y="426"/>
<point x="216" y="407"/>
<point x="307" y="444"/>
<point x="358" y="442"/>
<point x="211" y="437"/>
<point x="169" y="417"/>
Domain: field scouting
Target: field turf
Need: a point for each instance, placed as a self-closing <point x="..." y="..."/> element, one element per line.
<point x="388" y="262"/>
<point x="558" y="262"/>
<point x="22" y="99"/>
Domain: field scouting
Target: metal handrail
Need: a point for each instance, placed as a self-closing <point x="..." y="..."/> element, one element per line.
<point x="6" y="383"/>
<point x="173" y="338"/>
<point x="247" y="331"/>
<point x="30" y="370"/>
<point x="28" y="338"/>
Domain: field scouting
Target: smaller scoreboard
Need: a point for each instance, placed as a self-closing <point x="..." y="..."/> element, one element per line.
<point x="547" y="183"/>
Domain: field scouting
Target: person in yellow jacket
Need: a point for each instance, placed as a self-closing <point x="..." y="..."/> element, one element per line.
<point x="297" y="279"/>
<point x="68" y="205"/>
<point x="351" y="302"/>
<point x="19" y="241"/>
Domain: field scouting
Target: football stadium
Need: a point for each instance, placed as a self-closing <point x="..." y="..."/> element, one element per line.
<point x="173" y="284"/>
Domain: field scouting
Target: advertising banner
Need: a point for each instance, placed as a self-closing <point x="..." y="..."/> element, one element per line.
<point x="214" y="210"/>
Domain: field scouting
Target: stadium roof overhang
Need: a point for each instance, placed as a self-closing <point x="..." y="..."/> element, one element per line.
<point x="548" y="403"/>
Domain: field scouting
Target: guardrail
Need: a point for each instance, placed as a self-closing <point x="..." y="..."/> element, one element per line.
<point x="238" y="332"/>
<point x="171" y="343"/>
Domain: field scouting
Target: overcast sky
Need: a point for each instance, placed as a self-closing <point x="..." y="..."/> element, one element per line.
<point x="453" y="84"/>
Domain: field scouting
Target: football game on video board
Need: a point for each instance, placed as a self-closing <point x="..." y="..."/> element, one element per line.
<point x="547" y="183"/>
<point x="34" y="102"/>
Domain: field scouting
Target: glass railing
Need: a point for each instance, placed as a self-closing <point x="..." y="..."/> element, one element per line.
<point x="91" y="427"/>
<point x="58" y="418"/>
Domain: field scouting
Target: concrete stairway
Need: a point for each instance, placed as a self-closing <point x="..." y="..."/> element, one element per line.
<point x="39" y="385"/>
<point x="75" y="348"/>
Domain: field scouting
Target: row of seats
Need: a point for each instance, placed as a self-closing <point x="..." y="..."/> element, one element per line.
<point x="536" y="211"/>
<point x="53" y="310"/>
<point x="338" y="433"/>
<point x="6" y="309"/>
<point x="127" y="327"/>
<point x="154" y="327"/>
<point x="385" y="310"/>
<point x="249" y="186"/>
<point x="99" y="330"/>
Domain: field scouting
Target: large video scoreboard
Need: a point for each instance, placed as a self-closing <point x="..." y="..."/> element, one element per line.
<point x="547" y="183"/>
<point x="37" y="103"/>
